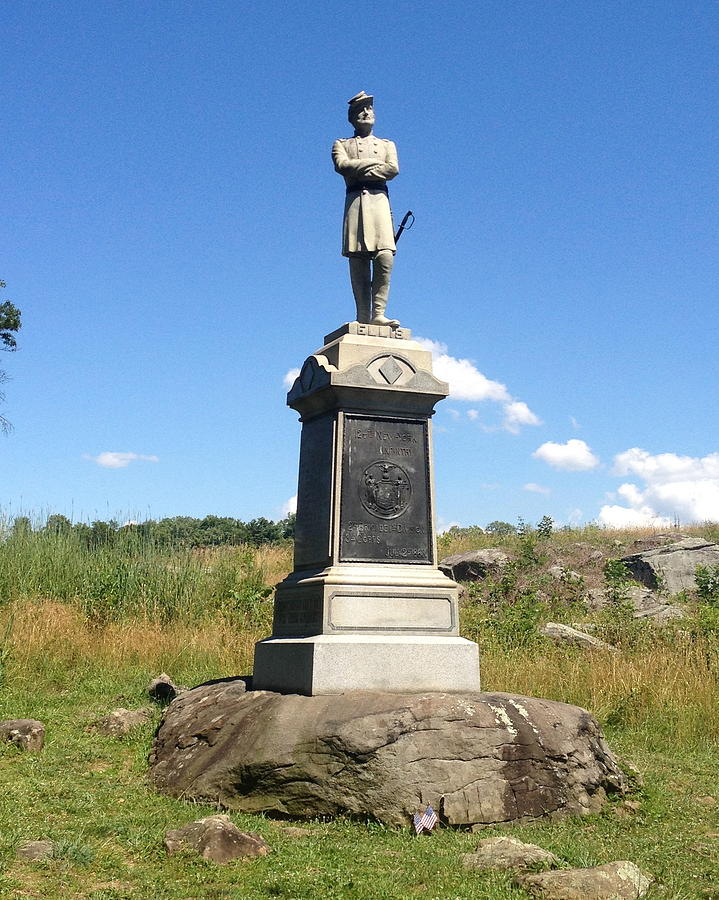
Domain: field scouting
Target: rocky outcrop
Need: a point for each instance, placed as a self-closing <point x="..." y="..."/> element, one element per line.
<point x="217" y="839"/>
<point x="475" y="565"/>
<point x="25" y="734"/>
<point x="672" y="567"/>
<point x="621" y="880"/>
<point x="476" y="758"/>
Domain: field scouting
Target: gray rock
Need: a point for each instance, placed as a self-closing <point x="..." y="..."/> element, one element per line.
<point x="672" y="567"/>
<point x="646" y="604"/>
<point x="562" y="573"/>
<point x="25" y="734"/>
<point x="477" y="758"/>
<point x="614" y="881"/>
<point x="565" y="634"/>
<point x="596" y="599"/>
<point x="217" y="839"/>
<point x="120" y="722"/>
<point x="475" y="565"/>
<point x="507" y="853"/>
<point x="658" y="540"/>
<point x="162" y="689"/>
<point x="36" y="850"/>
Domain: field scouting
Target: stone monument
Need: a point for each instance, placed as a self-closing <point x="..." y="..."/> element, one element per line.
<point x="366" y="607"/>
<point x="366" y="625"/>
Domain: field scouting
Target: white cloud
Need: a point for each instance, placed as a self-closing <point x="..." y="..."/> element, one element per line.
<point x="684" y="488"/>
<point x="664" y="467"/>
<point x="473" y="414"/>
<point x="536" y="488"/>
<point x="111" y="459"/>
<point x="574" y="456"/>
<point x="290" y="377"/>
<point x="443" y="525"/>
<point x="621" y="517"/>
<point x="466" y="382"/>
<point x="574" y="516"/>
<point x="289" y="507"/>
<point x="516" y="414"/>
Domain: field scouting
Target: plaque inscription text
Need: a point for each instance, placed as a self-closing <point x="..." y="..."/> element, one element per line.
<point x="385" y="513"/>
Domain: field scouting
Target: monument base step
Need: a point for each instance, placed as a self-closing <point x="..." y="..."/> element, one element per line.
<point x="336" y="664"/>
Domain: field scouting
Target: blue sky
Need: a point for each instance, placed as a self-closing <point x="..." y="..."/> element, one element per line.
<point x="171" y="232"/>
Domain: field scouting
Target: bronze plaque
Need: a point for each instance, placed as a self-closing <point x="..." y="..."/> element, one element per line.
<point x="385" y="513"/>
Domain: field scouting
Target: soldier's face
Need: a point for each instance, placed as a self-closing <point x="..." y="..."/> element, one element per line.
<point x="363" y="115"/>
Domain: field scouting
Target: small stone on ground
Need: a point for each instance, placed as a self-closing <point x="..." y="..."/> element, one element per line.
<point x="507" y="853"/>
<point x="35" y="850"/>
<point x="216" y="839"/>
<point x="565" y="634"/>
<point x="162" y="689"/>
<point x="120" y="722"/>
<point x="620" y="880"/>
<point x="25" y="734"/>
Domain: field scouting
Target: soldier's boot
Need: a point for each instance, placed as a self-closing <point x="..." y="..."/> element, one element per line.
<point x="361" y="287"/>
<point x="381" y="274"/>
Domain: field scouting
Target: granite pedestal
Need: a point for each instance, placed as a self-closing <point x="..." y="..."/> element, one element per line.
<point x="366" y="607"/>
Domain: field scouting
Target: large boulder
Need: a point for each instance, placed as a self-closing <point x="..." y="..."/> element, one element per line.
<point x="672" y="567"/>
<point x="475" y="565"/>
<point x="476" y="758"/>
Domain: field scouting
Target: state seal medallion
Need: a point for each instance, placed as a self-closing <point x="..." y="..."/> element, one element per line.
<point x="385" y="489"/>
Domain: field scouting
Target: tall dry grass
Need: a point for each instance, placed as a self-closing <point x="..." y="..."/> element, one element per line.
<point x="666" y="694"/>
<point x="58" y="639"/>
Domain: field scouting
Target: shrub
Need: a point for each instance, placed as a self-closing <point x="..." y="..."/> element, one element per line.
<point x="707" y="579"/>
<point x="617" y="580"/>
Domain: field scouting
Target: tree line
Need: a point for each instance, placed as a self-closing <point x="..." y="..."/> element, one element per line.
<point x="175" y="531"/>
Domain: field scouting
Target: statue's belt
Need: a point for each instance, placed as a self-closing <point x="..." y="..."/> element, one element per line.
<point x="367" y="186"/>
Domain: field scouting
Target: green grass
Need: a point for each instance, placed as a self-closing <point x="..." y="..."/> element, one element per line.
<point x="89" y="793"/>
<point x="69" y="654"/>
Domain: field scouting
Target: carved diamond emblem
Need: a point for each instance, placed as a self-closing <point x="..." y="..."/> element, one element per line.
<point x="390" y="370"/>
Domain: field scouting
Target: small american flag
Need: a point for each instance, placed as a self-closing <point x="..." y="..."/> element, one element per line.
<point x="425" y="821"/>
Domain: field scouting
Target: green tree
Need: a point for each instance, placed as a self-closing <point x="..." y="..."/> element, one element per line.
<point x="9" y="325"/>
<point x="58" y="524"/>
<point x="500" y="529"/>
<point x="545" y="526"/>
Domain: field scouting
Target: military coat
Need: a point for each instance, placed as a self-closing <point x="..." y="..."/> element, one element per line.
<point x="368" y="225"/>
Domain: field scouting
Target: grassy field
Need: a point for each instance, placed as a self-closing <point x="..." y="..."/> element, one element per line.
<point x="82" y="632"/>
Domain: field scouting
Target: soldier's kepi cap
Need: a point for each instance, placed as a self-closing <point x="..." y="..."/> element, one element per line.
<point x="361" y="99"/>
